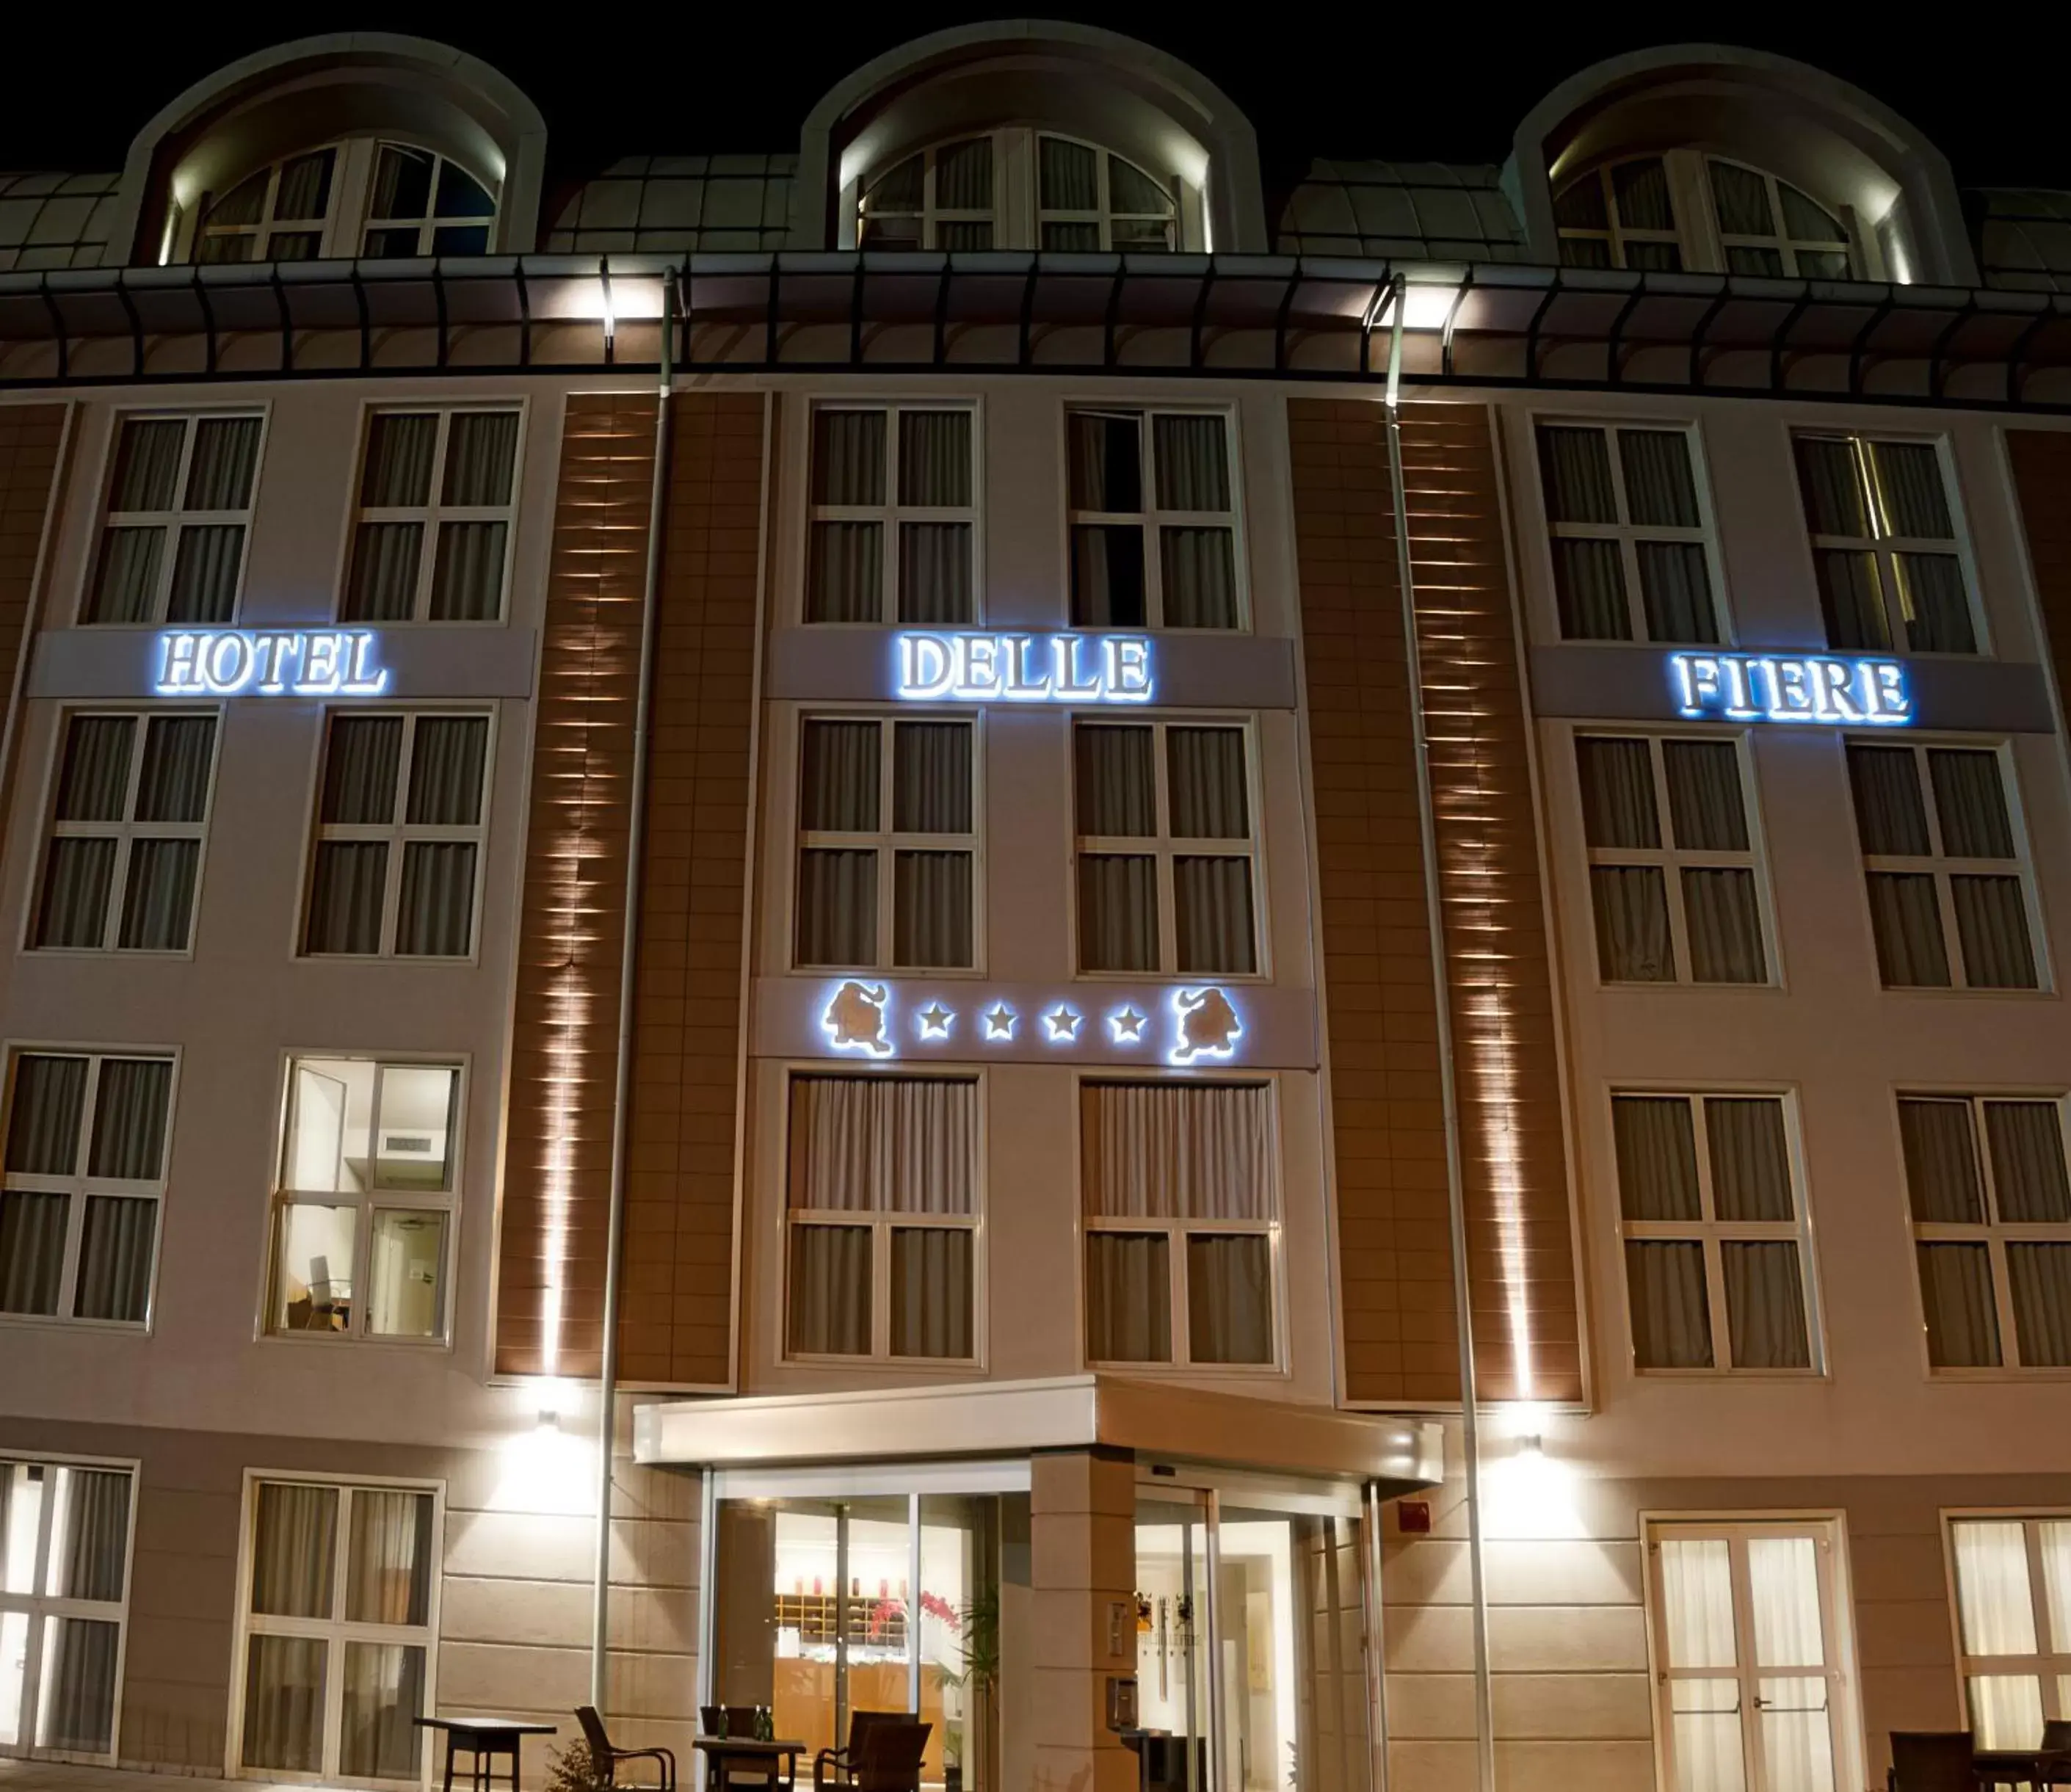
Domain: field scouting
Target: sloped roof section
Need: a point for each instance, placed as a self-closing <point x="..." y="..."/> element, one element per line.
<point x="1400" y="210"/>
<point x="2024" y="238"/>
<point x="671" y="205"/>
<point x="56" y="220"/>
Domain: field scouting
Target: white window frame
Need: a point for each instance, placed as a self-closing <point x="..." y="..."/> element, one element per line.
<point x="1700" y="243"/>
<point x="1885" y="547"/>
<point x="1712" y="1233"/>
<point x="399" y="834"/>
<point x="1672" y="860"/>
<point x="262" y="233"/>
<point x="1786" y="246"/>
<point x="1176" y="1231"/>
<point x="1105" y="216"/>
<point x="888" y="843"/>
<point x="1616" y="235"/>
<point x="427" y="227"/>
<point x="881" y="1222"/>
<point x="1165" y="847"/>
<point x="1628" y="533"/>
<point x="1942" y="867"/>
<point x="434" y="513"/>
<point x="124" y="833"/>
<point x="173" y="521"/>
<point x="891" y="515"/>
<point x="79" y="1186"/>
<point x="931" y="214"/>
<point x="1992" y="1232"/>
<point x="2050" y="1666"/>
<point x="1152" y="521"/>
<point x="369" y="1202"/>
<point x="336" y="1632"/>
<point x="39" y="1607"/>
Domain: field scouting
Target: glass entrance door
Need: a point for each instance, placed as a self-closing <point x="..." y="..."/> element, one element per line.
<point x="1750" y="1679"/>
<point x="1174" y="1647"/>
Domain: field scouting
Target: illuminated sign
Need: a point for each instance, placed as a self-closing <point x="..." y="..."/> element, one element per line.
<point x="269" y="662"/>
<point x="1791" y="687"/>
<point x="1024" y="668"/>
<point x="864" y="1018"/>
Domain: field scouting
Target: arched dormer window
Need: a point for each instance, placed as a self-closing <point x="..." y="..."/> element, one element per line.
<point x="977" y="193"/>
<point x="363" y="196"/>
<point x="1685" y="210"/>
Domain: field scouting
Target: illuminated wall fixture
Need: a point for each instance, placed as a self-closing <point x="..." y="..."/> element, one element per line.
<point x="1791" y="687"/>
<point x="865" y="1019"/>
<point x="269" y="662"/>
<point x="931" y="667"/>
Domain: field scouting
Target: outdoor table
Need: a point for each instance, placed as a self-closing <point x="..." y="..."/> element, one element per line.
<point x="761" y="1757"/>
<point x="484" y="1738"/>
<point x="2035" y="1767"/>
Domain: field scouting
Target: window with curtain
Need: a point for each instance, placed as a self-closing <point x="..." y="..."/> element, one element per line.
<point x="179" y="510"/>
<point x="1717" y="1259"/>
<point x="337" y="1630"/>
<point x="1620" y="216"/>
<point x="1952" y="905"/>
<point x="363" y="1207"/>
<point x="423" y="203"/>
<point x="936" y="199"/>
<point x="1991" y="1204"/>
<point x="431" y="539"/>
<point x="1766" y="226"/>
<point x="1632" y="557"/>
<point x="401" y="811"/>
<point x="130" y="817"/>
<point x="1674" y="881"/>
<point x="1182" y="1222"/>
<point x="1885" y="546"/>
<point x="882" y="1218"/>
<point x="895" y="516"/>
<point x="1090" y="198"/>
<point x="1153" y="520"/>
<point x="888" y="843"/>
<point x="64" y="1603"/>
<point x="2012" y="1573"/>
<point x="1166" y="849"/>
<point x="281" y="213"/>
<point x="85" y="1179"/>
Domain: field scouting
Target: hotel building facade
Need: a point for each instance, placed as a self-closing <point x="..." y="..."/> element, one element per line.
<point x="1001" y="850"/>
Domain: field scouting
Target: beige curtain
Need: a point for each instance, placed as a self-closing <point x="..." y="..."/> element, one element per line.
<point x="1177" y="1150"/>
<point x="884" y="1144"/>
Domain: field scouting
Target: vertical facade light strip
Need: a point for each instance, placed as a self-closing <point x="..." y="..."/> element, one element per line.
<point x="627" y="987"/>
<point x="1434" y="910"/>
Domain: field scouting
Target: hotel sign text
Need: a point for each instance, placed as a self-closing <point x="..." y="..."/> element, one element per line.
<point x="1023" y="668"/>
<point x="268" y="662"/>
<point x="1791" y="687"/>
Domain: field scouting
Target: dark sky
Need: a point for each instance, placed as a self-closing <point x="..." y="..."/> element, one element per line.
<point x="1442" y="82"/>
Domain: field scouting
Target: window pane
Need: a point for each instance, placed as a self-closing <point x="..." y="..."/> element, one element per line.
<point x="1115" y="787"/>
<point x="1704" y="805"/>
<point x="1908" y="476"/>
<point x="125" y="585"/>
<point x="1851" y="599"/>
<point x="467" y="583"/>
<point x="1742" y="198"/>
<point x="1991" y="922"/>
<point x="305" y="188"/>
<point x="837" y="921"/>
<point x="2028" y="1183"/>
<point x="413" y="1145"/>
<point x="1657" y="1157"/>
<point x="361" y="757"/>
<point x="932" y="909"/>
<point x="1107" y="575"/>
<point x="1128" y="1297"/>
<point x="963" y="176"/>
<point x="1890" y="816"/>
<point x="1970" y="801"/>
<point x="1675" y="589"/>
<point x="42" y="1125"/>
<point x="157" y="900"/>
<point x="1907" y="922"/>
<point x="93" y="784"/>
<point x="931" y="1291"/>
<point x="294" y="1537"/>
<point x="1230" y="1298"/>
<point x="204" y="587"/>
<point x="830" y="1291"/>
<point x="401" y="446"/>
<point x="1765" y="1305"/>
<point x="845" y="582"/>
<point x="384" y="1695"/>
<point x="1581" y="205"/>
<point x="284" y="1704"/>
<point x="447" y="756"/>
<point x="1936" y="606"/>
<point x="1940" y="1161"/>
<point x="115" y="1260"/>
<point x="1994" y="1601"/>
<point x="931" y="777"/>
<point x="1805" y="219"/>
<point x="1576" y="467"/>
<point x="848" y="457"/>
<point x="1672" y="1323"/>
<point x="226" y="455"/>
<point x="935" y="454"/>
<point x="178" y="752"/>
<point x="1835" y="503"/>
<point x="129" y="1119"/>
<point x="388" y="1557"/>
<point x="1641" y="190"/>
<point x="1956" y="1297"/>
<point x="481" y="450"/>
<point x="436" y="916"/>
<point x="1653" y="256"/>
<point x="1129" y="189"/>
<point x="1118" y="912"/>
<point x="1206" y="783"/>
<point x="1176" y="1150"/>
<point x="32" y="1235"/>
<point x="1107" y="467"/>
<point x="1724" y="919"/>
<point x="837" y="780"/>
<point x="402" y="183"/>
<point x="1192" y="456"/>
<point x="1213" y="914"/>
<point x="1588" y="582"/>
<point x="77" y="877"/>
<point x="312" y="1269"/>
<point x="883" y="1144"/>
<point x="1071" y="238"/>
<point x="2041" y="1279"/>
<point x="1068" y="175"/>
<point x="1659" y="488"/>
<point x="934" y="572"/>
<point x="1199" y="568"/>
<point x="147" y="464"/>
<point x="1631" y="905"/>
<point x="2006" y="1710"/>
<point x="1750" y="1154"/>
<point x="382" y="584"/>
<point x="78" y="1684"/>
<point x="461" y="195"/>
<point x="1618" y="792"/>
<point x="346" y="890"/>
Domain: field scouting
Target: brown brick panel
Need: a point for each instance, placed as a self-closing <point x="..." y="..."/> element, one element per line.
<point x="1395" y="1258"/>
<point x="2042" y="477"/>
<point x="564" y="1066"/>
<point x="677" y="1321"/>
<point x="30" y="435"/>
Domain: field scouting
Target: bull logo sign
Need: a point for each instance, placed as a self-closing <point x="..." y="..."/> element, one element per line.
<point x="855" y="1019"/>
<point x="1208" y="1026"/>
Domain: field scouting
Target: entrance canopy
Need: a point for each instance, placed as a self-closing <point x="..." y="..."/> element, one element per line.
<point x="1080" y="1412"/>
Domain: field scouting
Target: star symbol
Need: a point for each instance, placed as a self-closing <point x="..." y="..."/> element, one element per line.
<point x="999" y="1022"/>
<point x="1127" y="1025"/>
<point x="935" y="1021"/>
<point x="1063" y="1022"/>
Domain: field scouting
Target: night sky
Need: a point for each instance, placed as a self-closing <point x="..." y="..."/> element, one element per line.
<point x="1443" y="82"/>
